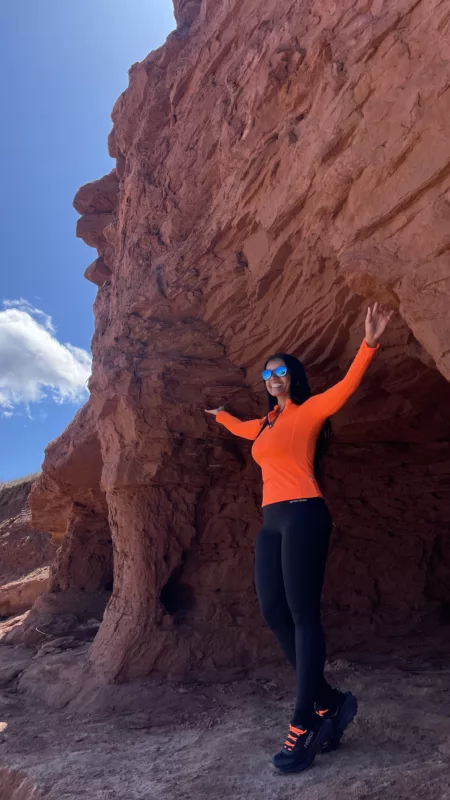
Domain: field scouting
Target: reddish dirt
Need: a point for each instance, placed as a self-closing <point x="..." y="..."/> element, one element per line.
<point x="157" y="741"/>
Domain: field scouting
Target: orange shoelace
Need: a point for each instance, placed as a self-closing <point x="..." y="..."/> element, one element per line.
<point x="322" y="712"/>
<point x="293" y="735"/>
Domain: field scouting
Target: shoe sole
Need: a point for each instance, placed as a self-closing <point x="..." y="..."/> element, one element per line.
<point x="311" y="754"/>
<point x="347" y="714"/>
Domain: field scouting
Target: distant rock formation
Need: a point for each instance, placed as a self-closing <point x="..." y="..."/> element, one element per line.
<point x="25" y="553"/>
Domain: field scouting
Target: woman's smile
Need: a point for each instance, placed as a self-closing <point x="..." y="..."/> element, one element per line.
<point x="276" y="384"/>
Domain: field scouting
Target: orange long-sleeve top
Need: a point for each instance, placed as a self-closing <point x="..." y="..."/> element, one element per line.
<point x="285" y="451"/>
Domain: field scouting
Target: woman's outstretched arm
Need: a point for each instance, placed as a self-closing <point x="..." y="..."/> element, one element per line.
<point x="246" y="430"/>
<point x="329" y="402"/>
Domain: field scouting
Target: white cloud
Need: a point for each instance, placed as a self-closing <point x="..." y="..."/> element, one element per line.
<point x="34" y="365"/>
<point x="24" y="305"/>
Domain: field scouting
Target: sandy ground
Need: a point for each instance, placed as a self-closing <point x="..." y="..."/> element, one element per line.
<point x="153" y="741"/>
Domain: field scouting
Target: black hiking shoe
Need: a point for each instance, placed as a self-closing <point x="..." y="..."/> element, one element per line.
<point x="340" y="719"/>
<point x="302" y="746"/>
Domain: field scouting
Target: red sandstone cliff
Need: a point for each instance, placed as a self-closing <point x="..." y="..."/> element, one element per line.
<point x="278" y="166"/>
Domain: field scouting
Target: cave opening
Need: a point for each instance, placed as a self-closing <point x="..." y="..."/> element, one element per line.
<point x="177" y="597"/>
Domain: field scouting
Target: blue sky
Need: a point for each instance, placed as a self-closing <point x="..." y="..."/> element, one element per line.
<point x="62" y="66"/>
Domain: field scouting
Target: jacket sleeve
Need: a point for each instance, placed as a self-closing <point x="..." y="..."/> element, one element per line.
<point x="247" y="430"/>
<point x="329" y="402"/>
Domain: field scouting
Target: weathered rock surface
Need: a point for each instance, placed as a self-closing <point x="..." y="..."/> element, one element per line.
<point x="67" y="501"/>
<point x="18" y="596"/>
<point x="25" y="553"/>
<point x="278" y="166"/>
<point x="15" y="785"/>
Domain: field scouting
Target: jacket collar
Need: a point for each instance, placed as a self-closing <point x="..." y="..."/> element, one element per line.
<point x="274" y="413"/>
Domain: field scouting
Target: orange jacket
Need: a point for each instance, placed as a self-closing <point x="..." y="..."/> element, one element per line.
<point x="285" y="452"/>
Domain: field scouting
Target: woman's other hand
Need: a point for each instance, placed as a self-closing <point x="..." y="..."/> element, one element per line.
<point x="377" y="319"/>
<point x="214" y="411"/>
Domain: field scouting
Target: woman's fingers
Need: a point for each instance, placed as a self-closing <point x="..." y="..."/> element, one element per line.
<point x="379" y="311"/>
<point x="377" y="318"/>
<point x="383" y="318"/>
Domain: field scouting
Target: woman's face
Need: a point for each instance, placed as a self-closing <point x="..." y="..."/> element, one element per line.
<point x="277" y="385"/>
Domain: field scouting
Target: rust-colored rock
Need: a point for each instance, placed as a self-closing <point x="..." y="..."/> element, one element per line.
<point x="98" y="272"/>
<point x="278" y="166"/>
<point x="98" y="197"/>
<point x="25" y="553"/>
<point x="18" y="596"/>
<point x="68" y="502"/>
<point x="15" y="785"/>
<point x="92" y="228"/>
<point x="186" y="11"/>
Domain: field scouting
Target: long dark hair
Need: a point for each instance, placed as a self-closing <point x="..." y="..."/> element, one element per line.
<point x="299" y="391"/>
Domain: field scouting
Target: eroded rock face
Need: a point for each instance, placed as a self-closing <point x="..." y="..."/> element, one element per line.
<point x="25" y="553"/>
<point x="68" y="502"/>
<point x="15" y="785"/>
<point x="186" y="11"/>
<point x="278" y="167"/>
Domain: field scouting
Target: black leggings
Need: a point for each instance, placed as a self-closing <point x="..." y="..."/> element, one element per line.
<point x="291" y="554"/>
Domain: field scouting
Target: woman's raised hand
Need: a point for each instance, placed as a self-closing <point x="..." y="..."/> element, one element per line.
<point x="377" y="319"/>
<point x="214" y="411"/>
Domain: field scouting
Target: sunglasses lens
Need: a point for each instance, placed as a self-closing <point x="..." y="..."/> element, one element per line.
<point x="280" y="372"/>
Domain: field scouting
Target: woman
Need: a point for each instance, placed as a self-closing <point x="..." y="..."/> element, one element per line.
<point x="292" y="545"/>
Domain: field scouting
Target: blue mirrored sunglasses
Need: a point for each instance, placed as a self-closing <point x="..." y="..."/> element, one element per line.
<point x="280" y="372"/>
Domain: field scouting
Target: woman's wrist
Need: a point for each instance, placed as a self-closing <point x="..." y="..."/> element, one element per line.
<point x="372" y="343"/>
